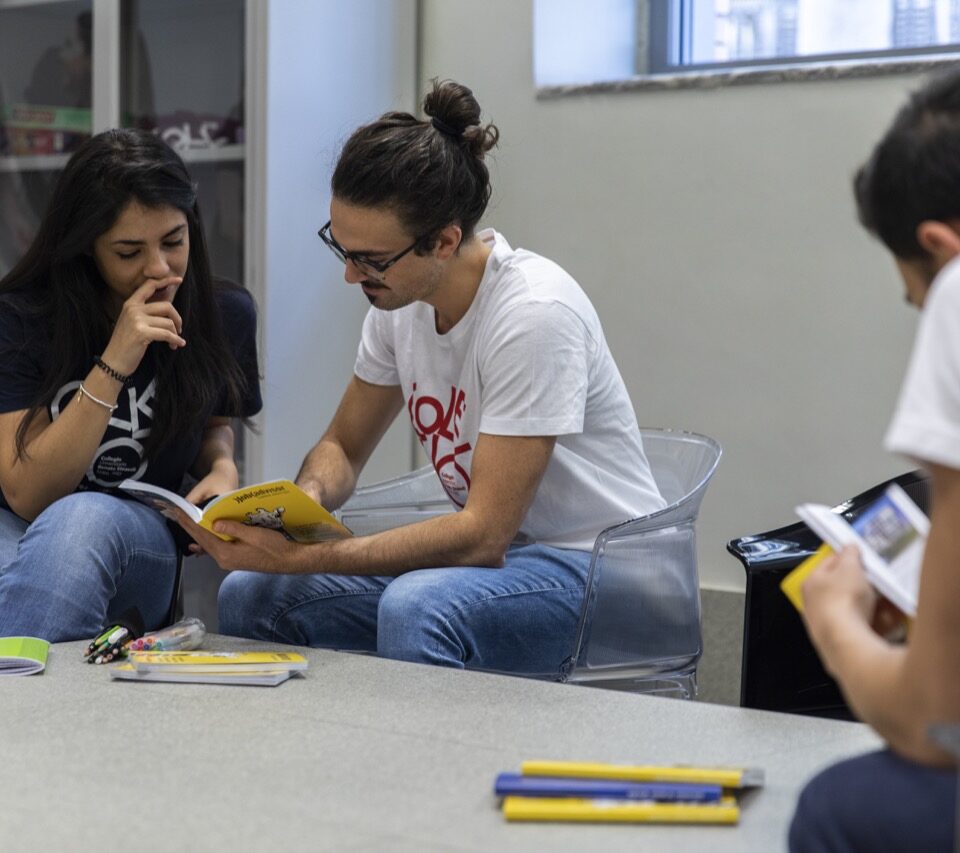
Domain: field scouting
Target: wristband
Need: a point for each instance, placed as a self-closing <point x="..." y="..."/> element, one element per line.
<point x="113" y="374"/>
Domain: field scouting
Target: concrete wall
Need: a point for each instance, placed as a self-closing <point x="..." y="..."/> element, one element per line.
<point x="715" y="232"/>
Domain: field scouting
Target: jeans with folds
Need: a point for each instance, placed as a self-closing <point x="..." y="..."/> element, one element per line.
<point x="520" y="618"/>
<point x="83" y="561"/>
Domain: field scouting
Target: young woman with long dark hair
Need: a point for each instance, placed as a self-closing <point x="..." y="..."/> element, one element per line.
<point x="120" y="356"/>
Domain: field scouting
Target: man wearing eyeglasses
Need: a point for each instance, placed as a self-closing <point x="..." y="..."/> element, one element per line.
<point x="500" y="362"/>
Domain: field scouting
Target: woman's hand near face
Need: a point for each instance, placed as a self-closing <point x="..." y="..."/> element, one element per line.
<point x="143" y="320"/>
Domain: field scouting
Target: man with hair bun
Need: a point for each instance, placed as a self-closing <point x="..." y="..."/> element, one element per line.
<point x="498" y="358"/>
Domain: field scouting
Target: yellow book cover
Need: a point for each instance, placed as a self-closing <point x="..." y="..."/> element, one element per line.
<point x="792" y="582"/>
<point x="277" y="505"/>
<point x="724" y="811"/>
<point x="728" y="777"/>
<point x="216" y="661"/>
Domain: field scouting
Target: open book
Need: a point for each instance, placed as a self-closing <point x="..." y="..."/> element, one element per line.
<point x="278" y="505"/>
<point x="891" y="534"/>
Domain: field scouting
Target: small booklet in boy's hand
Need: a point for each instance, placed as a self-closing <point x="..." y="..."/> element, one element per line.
<point x="890" y="533"/>
<point x="23" y="655"/>
<point x="278" y="505"/>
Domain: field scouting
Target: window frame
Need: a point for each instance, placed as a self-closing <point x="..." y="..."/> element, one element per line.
<point x="664" y="41"/>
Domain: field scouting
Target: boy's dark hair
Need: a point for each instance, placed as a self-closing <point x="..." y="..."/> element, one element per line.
<point x="914" y="172"/>
<point x="58" y="282"/>
<point x="430" y="173"/>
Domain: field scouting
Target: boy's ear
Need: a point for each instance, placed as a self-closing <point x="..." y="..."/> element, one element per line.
<point x="941" y="240"/>
<point x="449" y="240"/>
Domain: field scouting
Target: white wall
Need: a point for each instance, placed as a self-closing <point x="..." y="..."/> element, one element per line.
<point x="327" y="68"/>
<point x="715" y="232"/>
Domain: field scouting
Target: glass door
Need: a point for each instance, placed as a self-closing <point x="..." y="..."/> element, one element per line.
<point x="182" y="76"/>
<point x="45" y="109"/>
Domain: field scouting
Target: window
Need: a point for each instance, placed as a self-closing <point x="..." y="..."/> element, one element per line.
<point x="581" y="42"/>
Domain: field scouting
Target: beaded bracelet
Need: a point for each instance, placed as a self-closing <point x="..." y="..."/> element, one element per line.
<point x="111" y="407"/>
<point x="113" y="374"/>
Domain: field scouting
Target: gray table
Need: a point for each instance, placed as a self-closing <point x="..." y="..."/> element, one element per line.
<point x="362" y="754"/>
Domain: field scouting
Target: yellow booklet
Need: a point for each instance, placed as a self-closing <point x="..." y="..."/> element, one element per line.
<point x="257" y="678"/>
<point x="277" y="505"/>
<point x="792" y="582"/>
<point x="725" y="810"/>
<point x="201" y="661"/>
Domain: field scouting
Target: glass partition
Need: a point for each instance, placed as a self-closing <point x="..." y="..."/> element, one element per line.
<point x="45" y="109"/>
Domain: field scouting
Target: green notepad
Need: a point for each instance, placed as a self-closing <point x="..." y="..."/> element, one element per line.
<point x="23" y="655"/>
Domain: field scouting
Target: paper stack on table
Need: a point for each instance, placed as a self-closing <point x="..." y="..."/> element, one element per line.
<point x="256" y="668"/>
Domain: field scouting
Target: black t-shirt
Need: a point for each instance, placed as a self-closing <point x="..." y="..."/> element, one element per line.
<point x="120" y="454"/>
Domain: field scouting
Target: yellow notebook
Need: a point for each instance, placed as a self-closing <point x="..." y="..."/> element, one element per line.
<point x="725" y="810"/>
<point x="728" y="777"/>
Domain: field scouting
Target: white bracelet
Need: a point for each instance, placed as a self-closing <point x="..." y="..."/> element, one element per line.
<point x="109" y="406"/>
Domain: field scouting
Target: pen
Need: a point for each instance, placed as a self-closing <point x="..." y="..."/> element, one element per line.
<point x="514" y="784"/>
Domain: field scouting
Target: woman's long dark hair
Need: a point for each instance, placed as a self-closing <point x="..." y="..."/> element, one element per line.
<point x="57" y="282"/>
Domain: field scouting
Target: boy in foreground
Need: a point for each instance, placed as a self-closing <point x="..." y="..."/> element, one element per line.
<point x="903" y="797"/>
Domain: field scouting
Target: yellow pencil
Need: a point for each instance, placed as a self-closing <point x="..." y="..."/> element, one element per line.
<point x="728" y="777"/>
<point x="725" y="811"/>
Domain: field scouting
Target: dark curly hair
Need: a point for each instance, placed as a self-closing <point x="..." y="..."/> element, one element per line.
<point x="430" y="173"/>
<point x="913" y="173"/>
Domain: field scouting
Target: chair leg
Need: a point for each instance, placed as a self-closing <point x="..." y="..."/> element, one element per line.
<point x="681" y="685"/>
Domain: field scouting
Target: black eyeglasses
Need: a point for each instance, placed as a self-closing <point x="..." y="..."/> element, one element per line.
<point x="358" y="259"/>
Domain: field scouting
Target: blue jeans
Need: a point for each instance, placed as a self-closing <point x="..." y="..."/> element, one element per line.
<point x="84" y="560"/>
<point x="877" y="801"/>
<point x="520" y="618"/>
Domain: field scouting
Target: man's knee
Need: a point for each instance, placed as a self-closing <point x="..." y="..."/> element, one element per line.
<point x="412" y="624"/>
<point x="240" y="600"/>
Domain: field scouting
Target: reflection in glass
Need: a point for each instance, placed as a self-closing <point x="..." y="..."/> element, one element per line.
<point x="183" y="76"/>
<point x="45" y="110"/>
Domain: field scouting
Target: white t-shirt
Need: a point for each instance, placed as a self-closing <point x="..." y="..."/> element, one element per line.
<point x="528" y="358"/>
<point x="926" y="423"/>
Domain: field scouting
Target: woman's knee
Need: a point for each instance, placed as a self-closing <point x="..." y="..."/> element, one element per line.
<point x="83" y="519"/>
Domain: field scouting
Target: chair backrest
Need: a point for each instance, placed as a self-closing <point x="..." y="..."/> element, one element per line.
<point x="781" y="671"/>
<point x="411" y="497"/>
<point x="641" y="612"/>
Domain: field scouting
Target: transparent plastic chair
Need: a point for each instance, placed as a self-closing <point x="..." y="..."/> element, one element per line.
<point x="639" y="627"/>
<point x="640" y="623"/>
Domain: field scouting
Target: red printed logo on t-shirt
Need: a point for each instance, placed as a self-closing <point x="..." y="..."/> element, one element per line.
<point x="437" y="425"/>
